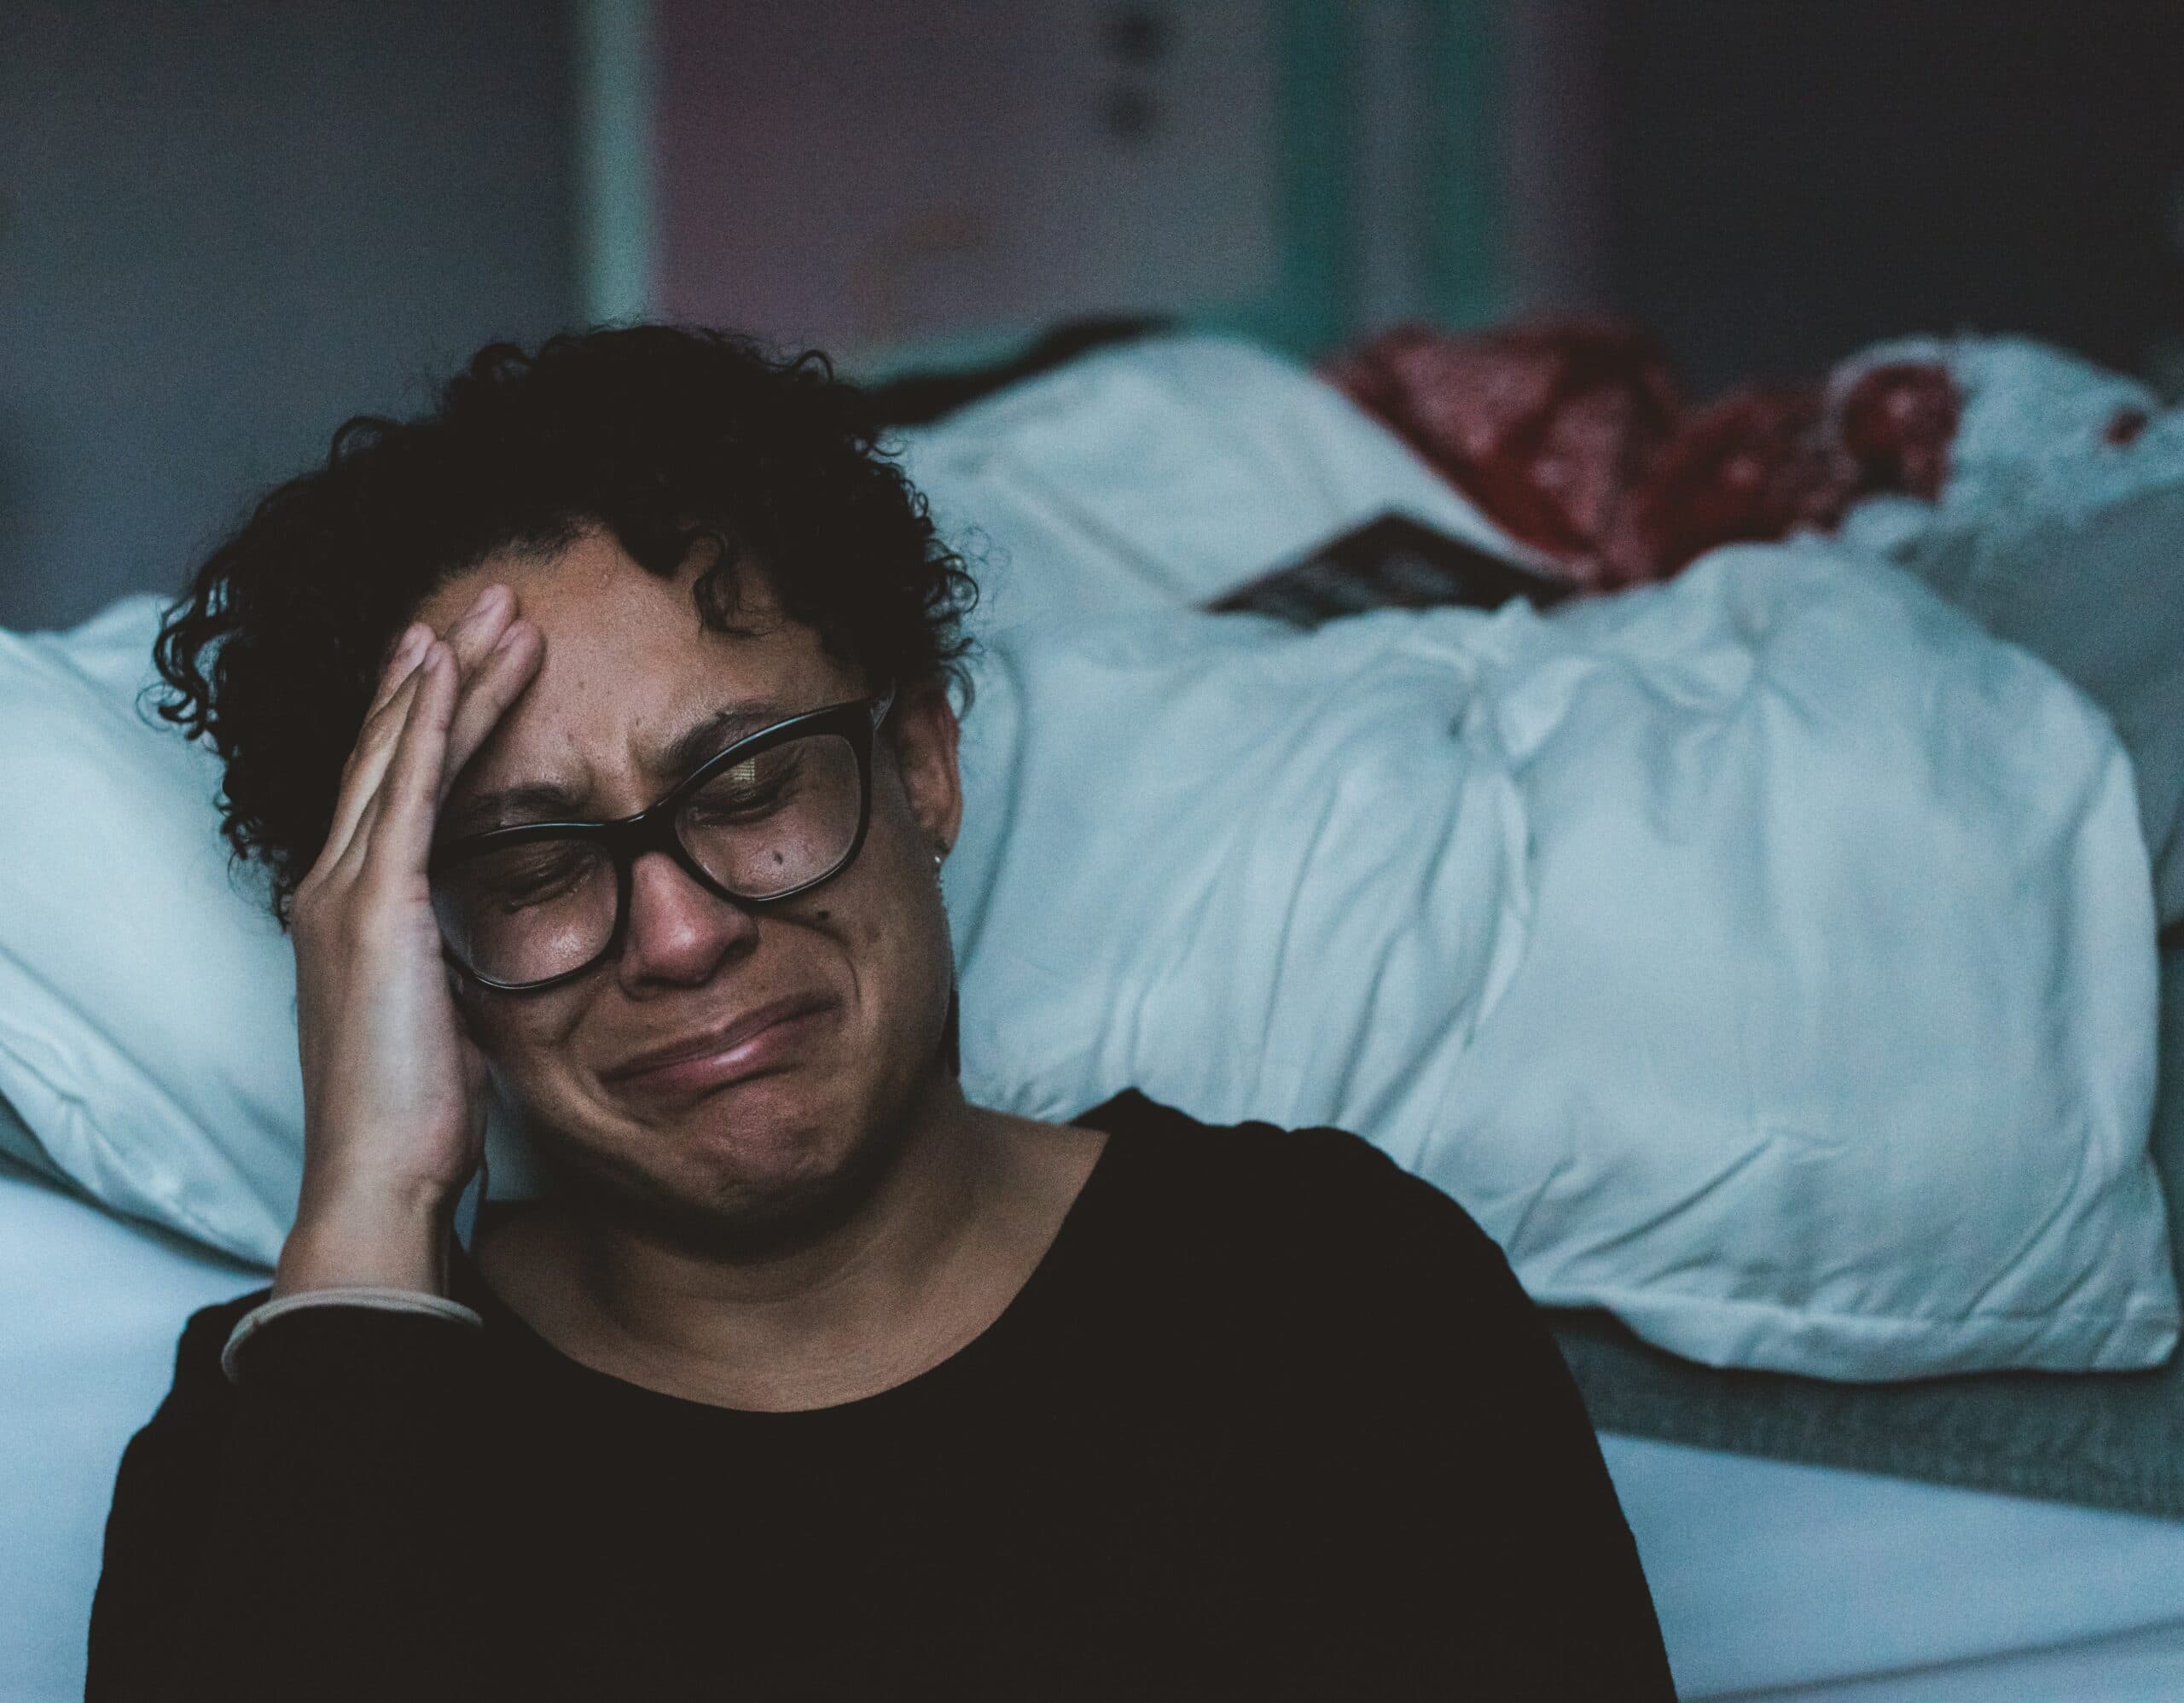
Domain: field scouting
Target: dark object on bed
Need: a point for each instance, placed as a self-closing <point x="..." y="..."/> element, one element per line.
<point x="1391" y="562"/>
<point x="919" y="398"/>
<point x="1574" y="436"/>
<point x="2105" y="1439"/>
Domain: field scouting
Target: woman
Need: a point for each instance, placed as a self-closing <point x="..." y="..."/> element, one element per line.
<point x="597" y="730"/>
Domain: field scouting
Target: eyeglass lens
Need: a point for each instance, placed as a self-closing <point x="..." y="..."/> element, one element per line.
<point x="775" y="822"/>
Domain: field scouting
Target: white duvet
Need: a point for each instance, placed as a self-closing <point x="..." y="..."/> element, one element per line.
<point x="1768" y="957"/>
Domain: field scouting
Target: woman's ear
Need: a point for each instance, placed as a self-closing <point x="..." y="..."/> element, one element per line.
<point x="926" y="731"/>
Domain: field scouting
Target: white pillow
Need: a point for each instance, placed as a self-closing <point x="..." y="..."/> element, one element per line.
<point x="148" y="1030"/>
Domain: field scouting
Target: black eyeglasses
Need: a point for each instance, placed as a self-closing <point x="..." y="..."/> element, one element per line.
<point x="773" y="816"/>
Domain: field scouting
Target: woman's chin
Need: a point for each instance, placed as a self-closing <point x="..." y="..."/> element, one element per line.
<point x="754" y="1162"/>
<point x="765" y="1148"/>
<point x="755" y="1200"/>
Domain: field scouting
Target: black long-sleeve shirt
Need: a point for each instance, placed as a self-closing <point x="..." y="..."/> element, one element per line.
<point x="1271" y="1419"/>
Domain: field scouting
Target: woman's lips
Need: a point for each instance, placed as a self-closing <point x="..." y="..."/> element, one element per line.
<point x="769" y="1049"/>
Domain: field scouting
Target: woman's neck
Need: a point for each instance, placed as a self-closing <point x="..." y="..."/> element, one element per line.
<point x="928" y="1259"/>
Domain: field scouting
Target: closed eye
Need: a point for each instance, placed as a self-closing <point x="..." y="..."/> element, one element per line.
<point x="747" y="790"/>
<point x="530" y="875"/>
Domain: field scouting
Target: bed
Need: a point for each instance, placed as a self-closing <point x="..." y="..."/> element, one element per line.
<point x="1997" y="1534"/>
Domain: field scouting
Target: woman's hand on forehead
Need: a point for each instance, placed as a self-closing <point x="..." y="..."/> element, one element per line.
<point x="394" y="1089"/>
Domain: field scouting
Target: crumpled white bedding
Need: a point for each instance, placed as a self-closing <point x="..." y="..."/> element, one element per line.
<point x="2061" y="528"/>
<point x="1159" y="475"/>
<point x="1768" y="957"/>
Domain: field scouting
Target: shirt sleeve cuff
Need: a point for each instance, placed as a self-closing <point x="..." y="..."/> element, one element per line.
<point x="235" y="1357"/>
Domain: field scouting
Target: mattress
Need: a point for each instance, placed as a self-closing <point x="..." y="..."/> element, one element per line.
<point x="1768" y="1576"/>
<point x="90" y="1306"/>
<point x="1776" y="1580"/>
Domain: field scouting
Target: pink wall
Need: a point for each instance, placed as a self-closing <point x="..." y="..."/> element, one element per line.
<point x="862" y="174"/>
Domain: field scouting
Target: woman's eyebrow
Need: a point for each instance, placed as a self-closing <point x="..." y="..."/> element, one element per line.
<point x="716" y="732"/>
<point x="549" y="801"/>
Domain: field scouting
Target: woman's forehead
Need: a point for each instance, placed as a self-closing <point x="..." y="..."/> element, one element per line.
<point x="630" y="668"/>
<point x="592" y="582"/>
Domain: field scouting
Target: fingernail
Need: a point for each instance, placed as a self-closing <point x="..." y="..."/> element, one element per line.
<point x="488" y="600"/>
<point x="411" y="642"/>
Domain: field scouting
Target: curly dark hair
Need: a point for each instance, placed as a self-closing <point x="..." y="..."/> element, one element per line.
<point x="672" y="440"/>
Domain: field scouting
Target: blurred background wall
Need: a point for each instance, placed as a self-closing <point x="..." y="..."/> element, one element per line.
<point x="225" y="225"/>
<point x="1792" y="180"/>
<point x="223" y="228"/>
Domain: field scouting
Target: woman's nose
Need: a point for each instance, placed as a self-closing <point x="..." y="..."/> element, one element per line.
<point x="677" y="931"/>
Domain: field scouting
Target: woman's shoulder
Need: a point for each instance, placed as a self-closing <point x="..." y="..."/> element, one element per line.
<point x="1304" y="1194"/>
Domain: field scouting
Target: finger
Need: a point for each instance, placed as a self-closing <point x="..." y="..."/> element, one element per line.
<point x="401" y="663"/>
<point x="476" y="640"/>
<point x="400" y="668"/>
<point x="368" y="761"/>
<point x="395" y="833"/>
<point x="478" y="627"/>
<point x="473" y="632"/>
<point x="499" y="679"/>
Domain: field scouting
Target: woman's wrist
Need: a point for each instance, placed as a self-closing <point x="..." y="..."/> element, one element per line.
<point x="378" y="1236"/>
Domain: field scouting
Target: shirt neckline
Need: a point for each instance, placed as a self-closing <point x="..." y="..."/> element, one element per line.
<point x="1119" y="1116"/>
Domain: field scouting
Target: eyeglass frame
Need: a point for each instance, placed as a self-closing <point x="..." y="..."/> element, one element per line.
<point x="628" y="838"/>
